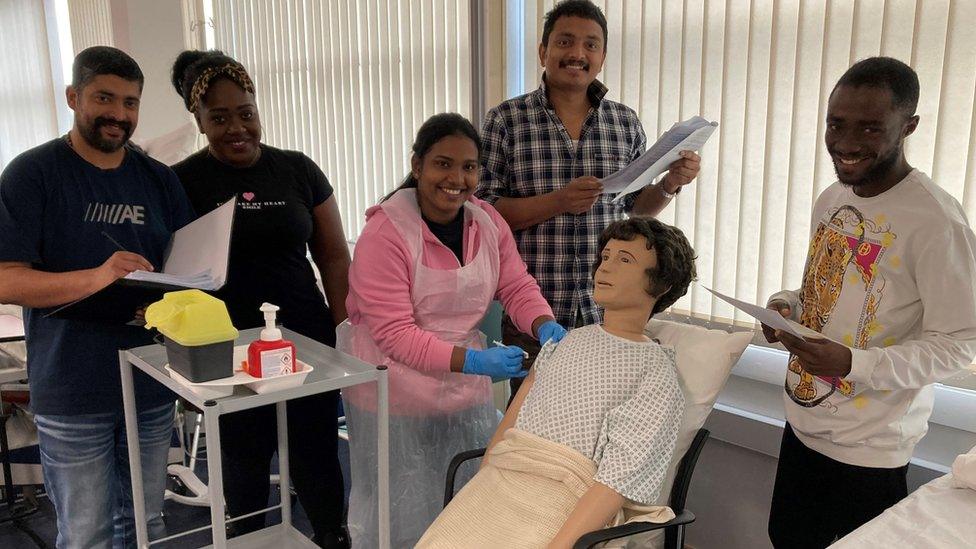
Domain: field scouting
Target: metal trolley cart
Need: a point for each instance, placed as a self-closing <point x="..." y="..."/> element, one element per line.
<point x="332" y="370"/>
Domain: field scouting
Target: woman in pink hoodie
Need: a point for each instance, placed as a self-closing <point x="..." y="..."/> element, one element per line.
<point x="426" y="268"/>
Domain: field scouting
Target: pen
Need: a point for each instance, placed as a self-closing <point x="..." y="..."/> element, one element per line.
<point x="500" y="344"/>
<point x="116" y="242"/>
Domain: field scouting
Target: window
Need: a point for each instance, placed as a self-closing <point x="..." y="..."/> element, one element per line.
<point x="28" y="116"/>
<point x="91" y="23"/>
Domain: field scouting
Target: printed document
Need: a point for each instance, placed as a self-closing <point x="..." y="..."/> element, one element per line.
<point x="689" y="135"/>
<point x="198" y="253"/>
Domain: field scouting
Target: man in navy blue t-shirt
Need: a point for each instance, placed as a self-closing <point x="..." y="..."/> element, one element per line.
<point x="66" y="207"/>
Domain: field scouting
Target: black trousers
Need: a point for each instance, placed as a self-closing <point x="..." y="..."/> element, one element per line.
<point x="249" y="439"/>
<point x="817" y="499"/>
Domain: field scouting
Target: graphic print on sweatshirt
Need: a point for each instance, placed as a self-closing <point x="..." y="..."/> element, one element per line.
<point x="847" y="249"/>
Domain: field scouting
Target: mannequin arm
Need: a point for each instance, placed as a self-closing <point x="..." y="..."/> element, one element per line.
<point x="511" y="414"/>
<point x="593" y="511"/>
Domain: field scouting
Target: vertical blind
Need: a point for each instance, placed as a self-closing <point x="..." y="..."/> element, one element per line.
<point x="27" y="110"/>
<point x="764" y="70"/>
<point x="91" y="23"/>
<point x="349" y="83"/>
<point x="194" y="34"/>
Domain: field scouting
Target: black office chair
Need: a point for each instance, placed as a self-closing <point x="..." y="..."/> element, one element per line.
<point x="674" y="529"/>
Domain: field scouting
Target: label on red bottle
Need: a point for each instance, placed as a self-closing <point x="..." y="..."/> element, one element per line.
<point x="276" y="362"/>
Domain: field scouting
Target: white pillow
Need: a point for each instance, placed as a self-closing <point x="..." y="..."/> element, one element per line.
<point x="704" y="361"/>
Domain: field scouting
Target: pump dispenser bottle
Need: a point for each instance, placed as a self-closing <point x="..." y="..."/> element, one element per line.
<point x="270" y="356"/>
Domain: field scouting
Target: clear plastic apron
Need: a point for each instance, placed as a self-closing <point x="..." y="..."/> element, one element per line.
<point x="433" y="415"/>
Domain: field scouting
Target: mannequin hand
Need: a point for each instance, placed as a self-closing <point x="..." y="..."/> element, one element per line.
<point x="551" y="330"/>
<point x="497" y="362"/>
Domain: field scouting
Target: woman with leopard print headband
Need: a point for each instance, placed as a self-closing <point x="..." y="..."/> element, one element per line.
<point x="285" y="206"/>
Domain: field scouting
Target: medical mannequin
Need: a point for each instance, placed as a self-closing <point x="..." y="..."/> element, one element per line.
<point x="602" y="408"/>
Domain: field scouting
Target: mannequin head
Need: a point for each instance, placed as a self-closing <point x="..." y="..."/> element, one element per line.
<point x="643" y="263"/>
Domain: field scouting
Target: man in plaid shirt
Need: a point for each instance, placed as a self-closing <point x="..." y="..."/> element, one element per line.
<point x="544" y="155"/>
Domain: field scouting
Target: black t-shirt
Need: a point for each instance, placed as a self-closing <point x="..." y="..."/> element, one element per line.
<point x="451" y="234"/>
<point x="55" y="210"/>
<point x="269" y="243"/>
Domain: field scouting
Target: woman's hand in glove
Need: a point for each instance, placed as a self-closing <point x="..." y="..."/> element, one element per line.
<point x="497" y="362"/>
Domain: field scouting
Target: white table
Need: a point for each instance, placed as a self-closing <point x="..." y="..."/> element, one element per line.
<point x="936" y="516"/>
<point x="332" y="370"/>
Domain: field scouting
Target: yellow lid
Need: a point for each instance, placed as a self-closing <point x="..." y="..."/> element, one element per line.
<point x="192" y="318"/>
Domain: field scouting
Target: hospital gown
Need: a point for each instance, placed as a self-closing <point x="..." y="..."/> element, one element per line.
<point x="616" y="401"/>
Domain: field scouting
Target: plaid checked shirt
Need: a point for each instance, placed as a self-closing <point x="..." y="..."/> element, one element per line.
<point x="528" y="152"/>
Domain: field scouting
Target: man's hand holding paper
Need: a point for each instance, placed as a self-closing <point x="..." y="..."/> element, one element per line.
<point x="119" y="265"/>
<point x="783" y="308"/>
<point x="670" y="153"/>
<point x="681" y="172"/>
<point x="817" y="354"/>
<point x="579" y="195"/>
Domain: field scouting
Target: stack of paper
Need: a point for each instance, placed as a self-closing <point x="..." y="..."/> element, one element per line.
<point x="198" y="253"/>
<point x="689" y="135"/>
<point x="202" y="281"/>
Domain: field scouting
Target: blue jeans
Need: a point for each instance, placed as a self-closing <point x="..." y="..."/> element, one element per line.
<point x="85" y="460"/>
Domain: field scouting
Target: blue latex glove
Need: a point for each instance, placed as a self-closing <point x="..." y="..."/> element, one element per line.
<point x="551" y="330"/>
<point x="497" y="362"/>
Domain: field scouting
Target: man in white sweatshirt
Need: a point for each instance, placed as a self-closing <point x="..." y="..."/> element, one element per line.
<point x="890" y="282"/>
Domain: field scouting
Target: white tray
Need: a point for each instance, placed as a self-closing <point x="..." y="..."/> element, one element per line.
<point x="219" y="388"/>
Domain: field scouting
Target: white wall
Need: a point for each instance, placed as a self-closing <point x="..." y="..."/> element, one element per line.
<point x="151" y="31"/>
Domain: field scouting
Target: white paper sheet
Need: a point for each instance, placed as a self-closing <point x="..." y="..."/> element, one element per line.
<point x="198" y="253"/>
<point x="689" y="135"/>
<point x="769" y="317"/>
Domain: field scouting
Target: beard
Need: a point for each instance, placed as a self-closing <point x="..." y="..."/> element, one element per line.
<point x="876" y="172"/>
<point x="93" y="135"/>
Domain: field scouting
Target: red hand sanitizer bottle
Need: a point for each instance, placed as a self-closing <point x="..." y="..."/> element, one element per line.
<point x="270" y="356"/>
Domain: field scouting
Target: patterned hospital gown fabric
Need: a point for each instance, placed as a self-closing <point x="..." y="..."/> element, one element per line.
<point x="616" y="401"/>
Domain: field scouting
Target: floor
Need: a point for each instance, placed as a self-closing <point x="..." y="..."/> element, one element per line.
<point x="178" y="517"/>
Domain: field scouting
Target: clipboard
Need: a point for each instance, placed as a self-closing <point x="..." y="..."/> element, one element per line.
<point x="202" y="246"/>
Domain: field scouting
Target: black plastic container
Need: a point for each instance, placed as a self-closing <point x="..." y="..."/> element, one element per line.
<point x="199" y="363"/>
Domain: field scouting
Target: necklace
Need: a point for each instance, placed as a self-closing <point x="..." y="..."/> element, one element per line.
<point x="67" y="139"/>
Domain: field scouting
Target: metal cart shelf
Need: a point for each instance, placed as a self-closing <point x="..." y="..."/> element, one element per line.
<point x="332" y="370"/>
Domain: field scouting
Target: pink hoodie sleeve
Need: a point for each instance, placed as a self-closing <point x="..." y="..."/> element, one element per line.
<point x="379" y="298"/>
<point x="517" y="289"/>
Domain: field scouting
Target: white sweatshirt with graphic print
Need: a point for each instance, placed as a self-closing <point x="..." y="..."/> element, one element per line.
<point x="893" y="277"/>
